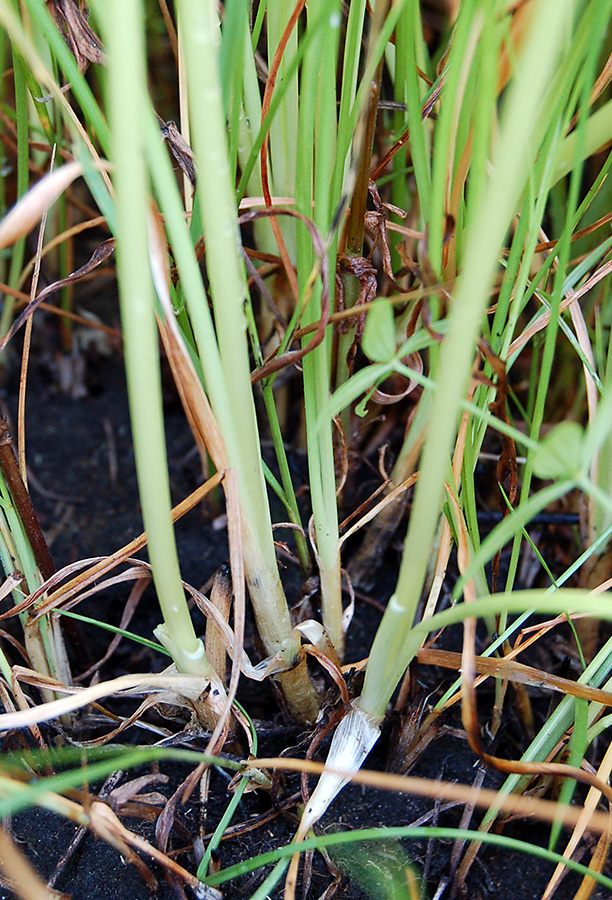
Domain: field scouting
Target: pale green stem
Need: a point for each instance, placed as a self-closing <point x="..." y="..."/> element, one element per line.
<point x="597" y="133"/>
<point x="249" y="120"/>
<point x="395" y="644"/>
<point x="199" y="26"/>
<point x="127" y="104"/>
<point x="316" y="154"/>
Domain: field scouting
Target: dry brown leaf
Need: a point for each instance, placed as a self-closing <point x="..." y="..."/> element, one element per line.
<point x="101" y="565"/>
<point x="99" y="255"/>
<point x="169" y="685"/>
<point x="541" y="323"/>
<point x="514" y="671"/>
<point x="105" y="823"/>
<point x="73" y="23"/>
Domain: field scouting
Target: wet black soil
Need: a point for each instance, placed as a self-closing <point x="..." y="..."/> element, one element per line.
<point x="84" y="489"/>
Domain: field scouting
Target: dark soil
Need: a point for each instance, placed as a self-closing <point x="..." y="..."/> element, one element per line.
<point x="84" y="490"/>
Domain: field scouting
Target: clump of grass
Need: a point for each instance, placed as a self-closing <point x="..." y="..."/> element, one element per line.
<point x="481" y="167"/>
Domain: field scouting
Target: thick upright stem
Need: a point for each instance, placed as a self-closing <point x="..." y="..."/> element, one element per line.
<point x="199" y="27"/>
<point x="128" y="103"/>
<point x="316" y="153"/>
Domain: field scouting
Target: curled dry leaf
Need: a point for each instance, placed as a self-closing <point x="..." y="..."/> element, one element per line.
<point x="415" y="362"/>
<point x="73" y="23"/>
<point x="99" y="255"/>
<point x="130" y="791"/>
<point x="105" y="824"/>
<point x="291" y="357"/>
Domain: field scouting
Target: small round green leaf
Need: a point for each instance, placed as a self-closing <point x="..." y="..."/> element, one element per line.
<point x="378" y="342"/>
<point x="559" y="453"/>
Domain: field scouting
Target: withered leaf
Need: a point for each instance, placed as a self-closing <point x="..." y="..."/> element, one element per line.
<point x="100" y="254"/>
<point x="72" y="21"/>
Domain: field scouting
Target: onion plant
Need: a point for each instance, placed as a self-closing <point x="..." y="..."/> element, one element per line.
<point x="482" y="153"/>
<point x="529" y="134"/>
